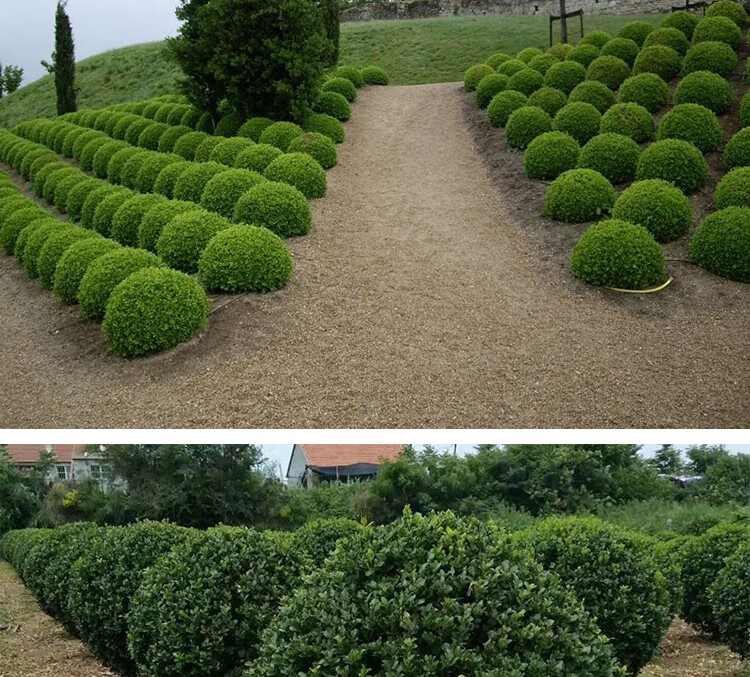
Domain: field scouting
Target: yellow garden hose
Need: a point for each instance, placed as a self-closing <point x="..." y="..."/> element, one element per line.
<point x="643" y="291"/>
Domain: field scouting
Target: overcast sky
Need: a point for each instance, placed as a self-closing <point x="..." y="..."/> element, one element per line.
<point x="27" y="28"/>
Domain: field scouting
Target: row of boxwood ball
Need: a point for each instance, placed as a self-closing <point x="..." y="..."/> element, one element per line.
<point x="434" y="595"/>
<point x="552" y="124"/>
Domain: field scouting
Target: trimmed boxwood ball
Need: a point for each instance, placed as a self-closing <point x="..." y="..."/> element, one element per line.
<point x="721" y="244"/>
<point x="301" y="171"/>
<point x="527" y="81"/>
<point x="646" y="89"/>
<point x="94" y="199"/>
<point x="222" y="192"/>
<point x="663" y="61"/>
<point x="503" y="104"/>
<point x="106" y="272"/>
<point x="154" y="309"/>
<point x="36" y="165"/>
<point x="280" y="134"/>
<point x="174" y="119"/>
<point x="674" y="160"/>
<point x="53" y="180"/>
<point x="669" y="37"/>
<point x="682" y="21"/>
<point x="103" y="155"/>
<point x="350" y="73"/>
<point x="184" y="238"/>
<point x="488" y="86"/>
<point x="317" y="146"/>
<point x="737" y="150"/>
<point x="65" y="186"/>
<point x="730" y="600"/>
<point x="277" y="206"/>
<point x="151" y="168"/>
<point x="497" y="58"/>
<point x="77" y="197"/>
<point x="637" y="31"/>
<point x="187" y="145"/>
<point x="254" y="127"/>
<point x="341" y="85"/>
<point x="84" y="139"/>
<point x="191" y="183"/>
<point x="229" y="124"/>
<point x="549" y="155"/>
<point x="594" y="92"/>
<point x="718" y="29"/>
<point x="227" y="151"/>
<point x="25" y="235"/>
<point x="152" y="109"/>
<point x="149" y="138"/>
<point x="259" y="156"/>
<point x="36" y="242"/>
<point x="579" y="119"/>
<point x="105" y="210"/>
<point x="565" y="76"/>
<point x="560" y="50"/>
<point x="614" y="156"/>
<point x="54" y="248"/>
<point x="485" y="632"/>
<point x="543" y="62"/>
<point x="734" y="189"/>
<point x="129" y="174"/>
<point x="89" y="151"/>
<point x="44" y="173"/>
<point x="549" y="99"/>
<point x="156" y="218"/>
<point x="332" y="103"/>
<point x="127" y="219"/>
<point x="374" y="75"/>
<point x="165" y="182"/>
<point x="528" y="54"/>
<point x="13" y="224"/>
<point x="656" y="205"/>
<point x="511" y="67"/>
<point x="136" y="128"/>
<point x="630" y="119"/>
<point x="730" y="9"/>
<point x="73" y="265"/>
<point x="170" y="137"/>
<point x="118" y="161"/>
<point x="695" y="123"/>
<point x="717" y="57"/>
<point x="579" y="195"/>
<point x="583" y="54"/>
<point x="596" y="38"/>
<point x="162" y="115"/>
<point x="623" y="48"/>
<point x="204" y="150"/>
<point x="524" y="125"/>
<point x="473" y="75"/>
<point x="325" y="124"/>
<point x="245" y="258"/>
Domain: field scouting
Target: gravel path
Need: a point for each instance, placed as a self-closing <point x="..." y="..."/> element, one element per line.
<point x="417" y="302"/>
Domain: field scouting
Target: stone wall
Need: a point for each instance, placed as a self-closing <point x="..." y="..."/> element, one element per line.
<point x="420" y="9"/>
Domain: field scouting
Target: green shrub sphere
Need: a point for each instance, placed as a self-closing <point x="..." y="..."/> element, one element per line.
<point x="94" y="199"/>
<point x="695" y="123"/>
<point x="663" y="61"/>
<point x="664" y="210"/>
<point x="488" y="86"/>
<point x="630" y="119"/>
<point x="721" y="244"/>
<point x="729" y="9"/>
<point x="717" y="57"/>
<point x="326" y="125"/>
<point x="350" y="73"/>
<point x="624" y="49"/>
<point x="583" y="54"/>
<point x="579" y="119"/>
<point x="549" y="99"/>
<point x="614" y="156"/>
<point x="317" y="146"/>
<point x="511" y="67"/>
<point x="526" y="81"/>
<point x="674" y="160"/>
<point x="73" y="265"/>
<point x="254" y="127"/>
<point x="102" y="157"/>
<point x="301" y="171"/>
<point x="682" y="21"/>
<point x="594" y="92"/>
<point x="229" y="125"/>
<point x="565" y="76"/>
<point x="524" y="125"/>
<point x="168" y="140"/>
<point x="36" y="242"/>
<point x="596" y="38"/>
<point x="737" y="150"/>
<point x="637" y="31"/>
<point x="647" y="90"/>
<point x="341" y="85"/>
<point x="473" y="76"/>
<point x="13" y="224"/>
<point x="334" y="104"/>
<point x="277" y="206"/>
<point x="188" y="144"/>
<point x="734" y="189"/>
<point x="549" y="155"/>
<point x="190" y="184"/>
<point x="259" y="156"/>
<point x="579" y="195"/>
<point x="374" y="75"/>
<point x="168" y="177"/>
<point x="185" y="237"/>
<point x="204" y="150"/>
<point x="222" y="192"/>
<point x="718" y="29"/>
<point x="281" y="134"/>
<point x="669" y="37"/>
<point x="119" y="161"/>
<point x="227" y="151"/>
<point x="127" y="219"/>
<point x="55" y="246"/>
<point x="156" y="218"/>
<point x="528" y="54"/>
<point x="503" y="104"/>
<point x="543" y="63"/>
<point x="151" y="168"/>
<point x="560" y="50"/>
<point x="496" y="59"/>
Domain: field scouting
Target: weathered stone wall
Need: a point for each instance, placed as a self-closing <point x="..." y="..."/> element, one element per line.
<point x="419" y="9"/>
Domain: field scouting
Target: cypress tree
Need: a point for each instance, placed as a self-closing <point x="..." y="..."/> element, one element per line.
<point x="330" y="14"/>
<point x="64" y="61"/>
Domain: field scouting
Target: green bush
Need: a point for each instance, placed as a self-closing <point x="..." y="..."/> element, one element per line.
<point x="54" y="180"/>
<point x="705" y="557"/>
<point x="225" y="585"/>
<point x="168" y="177"/>
<point x="721" y="244"/>
<point x="44" y="173"/>
<point x="373" y="75"/>
<point x="36" y="242"/>
<point x="299" y="170"/>
<point x="53" y="249"/>
<point x="730" y="599"/>
<point x="560" y="50"/>
<point x="254" y="127"/>
<point x="630" y="600"/>
<point x="647" y="90"/>
<point x="326" y="125"/>
<point x="549" y="99"/>
<point x="135" y="129"/>
<point x="524" y="125"/>
<point x="527" y="81"/>
<point x="663" y="61"/>
<point x="281" y="134"/>
<point x="152" y="109"/>
<point x="549" y="155"/>
<point x="317" y="146"/>
<point x="151" y="168"/>
<point x="39" y="163"/>
<point x="206" y="147"/>
<point x="729" y="9"/>
<point x="580" y="119"/>
<point x="630" y="119"/>
<point x="13" y="224"/>
<point x="583" y="54"/>
<point x="94" y="199"/>
<point x="229" y="125"/>
<point x="119" y="160"/>
<point x="129" y="174"/>
<point x="503" y="104"/>
<point x="16" y="545"/>
<point x="245" y="258"/>
<point x="543" y="63"/>
<point x="565" y="76"/>
<point x="695" y="123"/>
<point x="717" y="57"/>
<point x="185" y="237"/>
<point x="259" y="156"/>
<point x="734" y="189"/>
<point x="162" y="115"/>
<point x="227" y="151"/>
<point x="74" y="263"/>
<point x="637" y="31"/>
<point x="89" y="151"/>
<point x="342" y="86"/>
<point x="623" y="48"/>
<point x="737" y="150"/>
<point x="656" y="205"/>
<point x="594" y="92"/>
<point x="30" y="158"/>
<point x="579" y="195"/>
<point x="350" y="73"/>
<point x="718" y="29"/>
<point x="64" y="187"/>
<point x="149" y="137"/>
<point x="670" y="556"/>
<point x="669" y="37"/>
<point x="222" y="192"/>
<point x="318" y="539"/>
<point x="100" y="164"/>
<point x="608" y="69"/>
<point x="528" y="54"/>
<point x="106" y="209"/>
<point x="481" y="632"/>
<point x="190" y="184"/>
<point x="614" y="156"/>
<point x="674" y="160"/>
<point x="81" y="142"/>
<point x="106" y="272"/>
<point x="488" y="86"/>
<point x="127" y="219"/>
<point x="496" y="59"/>
<point x="279" y="207"/>
<point x="333" y="104"/>
<point x="511" y="67"/>
<point x="187" y="145"/>
<point x="174" y="119"/>
<point x="25" y="235"/>
<point x="596" y="38"/>
<point x="156" y="218"/>
<point x="682" y="21"/>
<point x="171" y="136"/>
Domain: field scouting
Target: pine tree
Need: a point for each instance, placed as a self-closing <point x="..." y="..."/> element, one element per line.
<point x="64" y="61"/>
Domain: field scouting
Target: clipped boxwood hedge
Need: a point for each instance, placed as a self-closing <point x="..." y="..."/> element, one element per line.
<point x="73" y="265"/>
<point x="187" y="145"/>
<point x="280" y="134"/>
<point x="350" y="73"/>
<point x="36" y="242"/>
<point x="192" y="182"/>
<point x="717" y="57"/>
<point x="342" y="86"/>
<point x="565" y="75"/>
<point x="156" y="218"/>
<point x="100" y="163"/>
<point x="579" y="195"/>
<point x="659" y="59"/>
<point x="13" y="224"/>
<point x="326" y="125"/>
<point x="737" y="150"/>
<point x="674" y="160"/>
<point x="682" y="21"/>
<point x="609" y="70"/>
<point x="94" y="199"/>
<point x="656" y="205"/>
<point x="334" y="104"/>
<point x="647" y="90"/>
<point x="707" y="89"/>
<point x="149" y="138"/>
<point x="279" y="207"/>
<point x="488" y="86"/>
<point x="614" y="156"/>
<point x="259" y="156"/>
<point x="623" y="48"/>
<point x="730" y="600"/>
<point x="718" y="29"/>
<point x="318" y="538"/>
<point x="543" y="62"/>
<point x="560" y="50"/>
<point x="583" y="54"/>
<point x="119" y="160"/>
<point x="185" y="237"/>
<point x="730" y="9"/>
<point x="227" y="151"/>
<point x="127" y="219"/>
<point x="64" y="186"/>
<point x="596" y="38"/>
<point x="734" y="189"/>
<point x="129" y="174"/>
<point x="511" y="67"/>
<point x="721" y="244"/>
<point x="168" y="177"/>
<point x="528" y="53"/>
<point x="222" y="192"/>
<point x="317" y="146"/>
<point x="496" y="59"/>
<point x="301" y="171"/>
<point x="695" y="123"/>
<point x="205" y="148"/>
<point x="54" y="247"/>
<point x="579" y="119"/>
<point x="630" y="119"/>
<point x="549" y="99"/>
<point x="106" y="209"/>
<point x="171" y="136"/>
<point x="374" y="75"/>
<point x="527" y="81"/>
<point x="669" y="37"/>
<point x="503" y="104"/>
<point x="254" y="127"/>
<point x="594" y="92"/>
<point x="25" y="235"/>
<point x="549" y="155"/>
<point x="637" y="31"/>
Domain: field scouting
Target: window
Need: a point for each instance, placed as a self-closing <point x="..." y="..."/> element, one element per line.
<point x="63" y="472"/>
<point x="99" y="472"/>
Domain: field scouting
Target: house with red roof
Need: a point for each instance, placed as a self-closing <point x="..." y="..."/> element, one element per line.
<point x="73" y="462"/>
<point x="313" y="463"/>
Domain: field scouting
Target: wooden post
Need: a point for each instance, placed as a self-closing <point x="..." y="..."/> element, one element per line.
<point x="563" y="23"/>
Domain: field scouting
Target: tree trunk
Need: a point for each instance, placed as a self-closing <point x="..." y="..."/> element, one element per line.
<point x="563" y="23"/>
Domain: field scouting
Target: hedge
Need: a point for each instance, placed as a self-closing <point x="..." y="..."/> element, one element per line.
<point x="277" y="206"/>
<point x="674" y="160"/>
<point x="100" y="163"/>
<point x="259" y="156"/>
<point x="594" y="92"/>
<point x="737" y="150"/>
<point x="609" y="70"/>
<point x="373" y="75"/>
<point x="503" y="104"/>
<point x="149" y="137"/>
<point x="227" y="151"/>
<point x="16" y="545"/>
<point x="156" y="218"/>
<point x="496" y="59"/>
<point x="730" y="600"/>
<point x="694" y="123"/>
<point x="127" y="219"/>
<point x="734" y="189"/>
<point x="229" y="124"/>
<point x="350" y="73"/>
<point x="579" y="195"/>
<point x="25" y="235"/>
<point x="341" y="86"/>
<point x="129" y="174"/>
<point x="718" y="29"/>
<point x="119" y="160"/>
<point x="543" y="63"/>
<point x="73" y="265"/>
<point x="656" y="205"/>
<point x="527" y="81"/>
<point x="488" y="86"/>
<point x="705" y="88"/>
<point x="326" y="125"/>
<point x="596" y="38"/>
<point x="717" y="57"/>
<point x="105" y="211"/>
<point x="64" y="186"/>
<point x="664" y="61"/>
<point x="583" y="54"/>
<point x="168" y="177"/>
<point x="13" y="224"/>
<point x="528" y="53"/>
<point x="280" y="134"/>
<point x="94" y="199"/>
<point x="579" y="119"/>
<point x="192" y="182"/>
<point x="185" y="237"/>
<point x="682" y="21"/>
<point x="318" y="538"/>
<point x="565" y="76"/>
<point x="299" y="170"/>
<point x="560" y="50"/>
<point x="317" y="146"/>
<point x="187" y="145"/>
<point x="647" y="90"/>
<point x="549" y="99"/>
<point x="721" y="243"/>
<point x="36" y="242"/>
<point x="332" y="103"/>
<point x="511" y="67"/>
<point x="168" y="140"/>
<point x="637" y="31"/>
<point x="729" y="9"/>
<point x="668" y="37"/>
<point x="254" y="127"/>
<point x="204" y="149"/>
<point x="53" y="249"/>
<point x="622" y="48"/>
<point x="629" y="119"/>
<point x="222" y="191"/>
<point x="614" y="156"/>
<point x="549" y="155"/>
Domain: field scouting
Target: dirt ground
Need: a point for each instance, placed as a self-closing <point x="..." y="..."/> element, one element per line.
<point x="424" y="298"/>
<point x="32" y="644"/>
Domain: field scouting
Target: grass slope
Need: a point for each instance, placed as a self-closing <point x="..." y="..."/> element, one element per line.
<point x="413" y="52"/>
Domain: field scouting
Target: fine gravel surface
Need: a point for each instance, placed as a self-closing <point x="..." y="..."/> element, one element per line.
<point x="420" y="299"/>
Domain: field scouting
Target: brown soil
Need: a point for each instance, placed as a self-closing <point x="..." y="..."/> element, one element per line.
<point x="424" y="297"/>
<point x="34" y="645"/>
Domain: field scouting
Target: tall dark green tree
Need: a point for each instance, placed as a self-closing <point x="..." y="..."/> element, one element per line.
<point x="331" y="17"/>
<point x="64" y="61"/>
